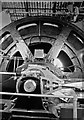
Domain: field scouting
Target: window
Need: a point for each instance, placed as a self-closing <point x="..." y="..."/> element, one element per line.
<point x="51" y="29"/>
<point x="27" y="29"/>
<point x="6" y="40"/>
<point x="75" y="41"/>
<point x="49" y="24"/>
<point x="26" y="26"/>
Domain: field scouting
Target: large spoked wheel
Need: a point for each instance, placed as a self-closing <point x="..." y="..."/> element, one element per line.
<point x="62" y="45"/>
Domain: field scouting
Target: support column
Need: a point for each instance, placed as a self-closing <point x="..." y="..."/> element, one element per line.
<point x="75" y="107"/>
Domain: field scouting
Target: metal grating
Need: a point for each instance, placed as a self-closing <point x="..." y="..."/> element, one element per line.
<point x="18" y="10"/>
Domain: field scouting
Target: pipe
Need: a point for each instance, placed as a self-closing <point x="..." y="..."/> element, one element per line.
<point x="7" y="73"/>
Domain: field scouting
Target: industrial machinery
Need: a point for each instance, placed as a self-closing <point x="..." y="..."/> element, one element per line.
<point x="41" y="68"/>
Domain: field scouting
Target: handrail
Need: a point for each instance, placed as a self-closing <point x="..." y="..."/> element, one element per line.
<point x="53" y="96"/>
<point x="7" y="73"/>
<point x="34" y="95"/>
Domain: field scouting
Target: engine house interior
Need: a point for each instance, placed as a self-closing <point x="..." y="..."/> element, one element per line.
<point x="42" y="61"/>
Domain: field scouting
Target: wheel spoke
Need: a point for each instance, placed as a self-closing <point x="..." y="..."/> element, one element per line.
<point x="56" y="48"/>
<point x="21" y="45"/>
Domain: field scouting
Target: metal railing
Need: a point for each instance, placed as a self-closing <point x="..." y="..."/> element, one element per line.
<point x="53" y="96"/>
